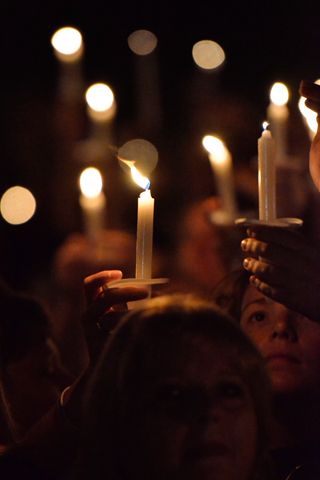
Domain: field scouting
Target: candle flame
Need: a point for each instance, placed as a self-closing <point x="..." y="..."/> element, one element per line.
<point x="215" y="147"/>
<point x="140" y="179"/>
<point x="279" y="94"/>
<point x="265" y="125"/>
<point x="17" y="205"/>
<point x="208" y="54"/>
<point x="67" y="41"/>
<point x="99" y="97"/>
<point x="142" y="42"/>
<point x="90" y="182"/>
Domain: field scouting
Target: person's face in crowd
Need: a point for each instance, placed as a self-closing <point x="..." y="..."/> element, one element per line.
<point x="197" y="417"/>
<point x="34" y="383"/>
<point x="288" y="341"/>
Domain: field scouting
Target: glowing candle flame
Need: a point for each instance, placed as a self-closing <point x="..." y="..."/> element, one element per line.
<point x="208" y="54"/>
<point x="17" y="205"/>
<point x="279" y="94"/>
<point x="215" y="146"/>
<point x="100" y="97"/>
<point x="67" y="43"/>
<point x="140" y="179"/>
<point x="91" y="182"/>
<point x="142" y="42"/>
<point x="265" y="125"/>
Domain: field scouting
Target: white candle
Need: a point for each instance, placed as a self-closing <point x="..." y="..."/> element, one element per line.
<point x="144" y="235"/>
<point x="266" y="177"/>
<point x="221" y="164"/>
<point x="94" y="214"/>
<point x="68" y="48"/>
<point x="93" y="202"/>
<point x="101" y="109"/>
<point x="278" y="114"/>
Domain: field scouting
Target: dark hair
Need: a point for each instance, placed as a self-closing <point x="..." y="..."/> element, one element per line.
<point x="24" y="323"/>
<point x="229" y="292"/>
<point x="124" y="361"/>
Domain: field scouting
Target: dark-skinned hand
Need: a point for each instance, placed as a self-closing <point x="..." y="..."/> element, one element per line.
<point x="285" y="266"/>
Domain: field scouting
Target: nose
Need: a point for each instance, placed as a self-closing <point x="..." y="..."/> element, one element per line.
<point x="284" y="326"/>
<point x="210" y="413"/>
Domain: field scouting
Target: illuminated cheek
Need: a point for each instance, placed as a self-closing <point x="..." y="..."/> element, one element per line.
<point x="257" y="335"/>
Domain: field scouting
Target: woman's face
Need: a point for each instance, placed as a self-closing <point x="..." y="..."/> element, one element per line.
<point x="196" y="419"/>
<point x="288" y="341"/>
<point x="34" y="383"/>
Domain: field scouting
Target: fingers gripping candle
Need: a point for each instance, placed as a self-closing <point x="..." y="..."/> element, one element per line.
<point x="266" y="177"/>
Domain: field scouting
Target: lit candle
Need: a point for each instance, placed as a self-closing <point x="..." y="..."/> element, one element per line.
<point x="144" y="241"/>
<point x="221" y="164"/>
<point x="93" y="202"/>
<point x="101" y="109"/>
<point x="143" y="44"/>
<point x="278" y="114"/>
<point x="68" y="48"/>
<point x="266" y="177"/>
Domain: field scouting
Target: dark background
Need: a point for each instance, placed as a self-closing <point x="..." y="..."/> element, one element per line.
<point x="263" y="41"/>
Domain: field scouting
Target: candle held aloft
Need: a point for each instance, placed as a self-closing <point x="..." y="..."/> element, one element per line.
<point x="221" y="165"/>
<point x="278" y="114"/>
<point x="94" y="214"/>
<point x="144" y="240"/>
<point x="68" y="48"/>
<point x="93" y="202"/>
<point x="266" y="177"/>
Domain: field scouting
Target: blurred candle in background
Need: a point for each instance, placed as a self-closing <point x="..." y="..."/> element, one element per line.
<point x="221" y="164"/>
<point x="101" y="109"/>
<point x="266" y="176"/>
<point x="143" y="44"/>
<point x="68" y="48"/>
<point x="278" y="114"/>
<point x="93" y="202"/>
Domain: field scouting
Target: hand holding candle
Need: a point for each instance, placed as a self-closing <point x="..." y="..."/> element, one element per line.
<point x="267" y="187"/>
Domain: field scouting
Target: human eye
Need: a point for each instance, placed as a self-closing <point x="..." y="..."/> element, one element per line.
<point x="258" y="316"/>
<point x="178" y="401"/>
<point x="255" y="316"/>
<point x="232" y="389"/>
<point x="232" y="393"/>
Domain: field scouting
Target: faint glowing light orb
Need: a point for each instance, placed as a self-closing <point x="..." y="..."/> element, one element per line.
<point x="142" y="153"/>
<point x="142" y="42"/>
<point x="215" y="147"/>
<point x="90" y="182"/>
<point x="99" y="97"/>
<point x="67" y="41"/>
<point x="17" y="205"/>
<point x="279" y="94"/>
<point x="208" y="54"/>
